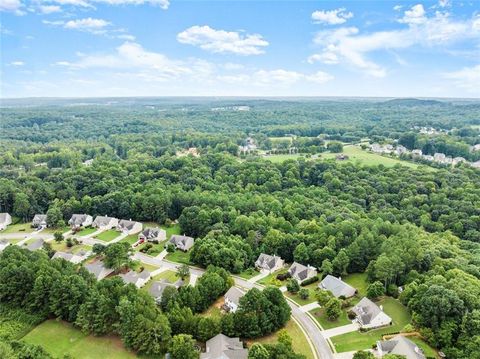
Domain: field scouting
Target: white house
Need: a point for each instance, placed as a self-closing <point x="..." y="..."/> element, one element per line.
<point x="72" y="258"/>
<point x="98" y="269"/>
<point x="232" y="299"/>
<point x="5" y="220"/>
<point x="369" y="315"/>
<point x="39" y="221"/>
<point x="128" y="226"/>
<point x="300" y="272"/>
<point x="184" y="243"/>
<point x="337" y="287"/>
<point x="269" y="263"/>
<point x="80" y="220"/>
<point x="137" y="279"/>
<point x="223" y="347"/>
<point x="104" y="222"/>
<point x="417" y="152"/>
<point x="153" y="234"/>
<point x="399" y="345"/>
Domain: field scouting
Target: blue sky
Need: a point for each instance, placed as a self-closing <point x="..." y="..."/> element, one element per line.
<point x="82" y="48"/>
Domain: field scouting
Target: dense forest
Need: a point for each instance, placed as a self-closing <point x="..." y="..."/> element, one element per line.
<point x="415" y="229"/>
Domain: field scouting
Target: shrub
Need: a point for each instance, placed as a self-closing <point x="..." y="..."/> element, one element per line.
<point x="283" y="276"/>
<point x="293" y="286"/>
<point x="309" y="281"/>
<point x="304" y="293"/>
<point x="392" y="290"/>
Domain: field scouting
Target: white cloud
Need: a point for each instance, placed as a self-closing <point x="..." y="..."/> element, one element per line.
<point x="221" y="41"/>
<point x="14" y="6"/>
<point x="444" y="3"/>
<point x="397" y="7"/>
<point x="86" y="24"/>
<point x="163" y="4"/>
<point x="467" y="78"/>
<point x="126" y="37"/>
<point x="347" y="45"/>
<point x="332" y="17"/>
<point x="17" y="63"/>
<point x="49" y="9"/>
<point x="278" y="77"/>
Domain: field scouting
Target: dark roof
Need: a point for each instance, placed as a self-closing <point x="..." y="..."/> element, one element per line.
<point x="150" y="233"/>
<point x="78" y="219"/>
<point x="300" y="271"/>
<point x="102" y="220"/>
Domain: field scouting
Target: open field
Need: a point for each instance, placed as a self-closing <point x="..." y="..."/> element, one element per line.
<point x="299" y="341"/>
<point x="18" y="227"/>
<point x="86" y="231"/>
<point x="107" y="236"/>
<point x="358" y="341"/>
<point x="179" y="257"/>
<point x="60" y="338"/>
<point x="58" y="229"/>
<point x="283" y="158"/>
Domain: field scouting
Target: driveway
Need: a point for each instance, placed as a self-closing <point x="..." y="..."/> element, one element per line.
<point x="262" y="275"/>
<point x="309" y="307"/>
<point x="340" y="330"/>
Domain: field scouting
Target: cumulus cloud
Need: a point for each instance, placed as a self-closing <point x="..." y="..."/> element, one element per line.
<point x="95" y="26"/>
<point x="332" y="17"/>
<point x="221" y="41"/>
<point x="49" y="9"/>
<point x="14" y="6"/>
<point x="17" y="63"/>
<point x="348" y="45"/>
<point x="163" y="4"/>
<point x="467" y="78"/>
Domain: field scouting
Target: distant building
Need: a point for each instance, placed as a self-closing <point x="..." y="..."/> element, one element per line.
<point x="35" y="245"/>
<point x="337" y="287"/>
<point x="369" y="315"/>
<point x="98" y="269"/>
<point x="269" y="263"/>
<point x="184" y="243"/>
<point x="476" y="147"/>
<point x="458" y="160"/>
<point x="300" y="272"/>
<point x="399" y="345"/>
<point x="137" y="279"/>
<point x="104" y="222"/>
<point x="5" y="220"/>
<point x="400" y="150"/>
<point x="232" y="299"/>
<point x="72" y="258"/>
<point x="80" y="220"/>
<point x="153" y="234"/>
<point x="223" y="347"/>
<point x="417" y="152"/>
<point x="475" y="164"/>
<point x="157" y="288"/>
<point x="341" y="157"/>
<point x="129" y="226"/>
<point x="439" y="157"/>
<point x="39" y="221"/>
<point x="88" y="163"/>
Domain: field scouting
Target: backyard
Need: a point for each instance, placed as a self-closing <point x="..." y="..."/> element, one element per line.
<point x="107" y="236"/>
<point x="86" y="231"/>
<point x="311" y="298"/>
<point x="18" y="227"/>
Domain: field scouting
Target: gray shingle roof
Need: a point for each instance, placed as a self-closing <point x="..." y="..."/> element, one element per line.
<point x="3" y="217"/>
<point x="133" y="277"/>
<point x="400" y="345"/>
<point x="78" y="219"/>
<point x="267" y="261"/>
<point x="300" y="271"/>
<point x="234" y="294"/>
<point x="337" y="286"/>
<point x="157" y="288"/>
<point x="221" y="347"/>
<point x="150" y="233"/>
<point x="37" y="244"/>
<point x="98" y="269"/>
<point x="102" y="221"/>
<point x="126" y="224"/>
<point x="39" y="218"/>
<point x="366" y="310"/>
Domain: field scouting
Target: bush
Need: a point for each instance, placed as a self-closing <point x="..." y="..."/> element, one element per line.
<point x="293" y="286"/>
<point x="375" y="290"/>
<point x="170" y="248"/>
<point x="392" y="290"/>
<point x="309" y="281"/>
<point x="323" y="296"/>
<point x="283" y="276"/>
<point x="351" y="315"/>
<point x="304" y="293"/>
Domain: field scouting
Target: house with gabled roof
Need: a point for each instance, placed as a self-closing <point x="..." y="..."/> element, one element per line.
<point x="71" y="257"/>
<point x="39" y="221"/>
<point x="267" y="262"/>
<point x="369" y="315"/>
<point x="104" y="222"/>
<point x="232" y="299"/>
<point x="36" y="244"/>
<point x="5" y="220"/>
<point x="157" y="288"/>
<point x="129" y="226"/>
<point x="300" y="272"/>
<point x="338" y="287"/>
<point x="223" y="347"/>
<point x="98" y="269"/>
<point x="153" y="234"/>
<point x="80" y="220"/>
<point x="184" y="243"/>
<point x="399" y="345"/>
<point x="135" y="278"/>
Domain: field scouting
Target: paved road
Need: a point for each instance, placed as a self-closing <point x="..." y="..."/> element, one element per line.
<point x="340" y="330"/>
<point x="305" y="321"/>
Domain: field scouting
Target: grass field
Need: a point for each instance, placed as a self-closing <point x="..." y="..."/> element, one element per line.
<point x="107" y="236"/>
<point x="86" y="231"/>
<point x="169" y="275"/>
<point x="19" y="227"/>
<point x="179" y="257"/>
<point x="359" y="282"/>
<point x="62" y="247"/>
<point x="60" y="338"/>
<point x="358" y="341"/>
<point x="427" y="349"/>
<point x="173" y="229"/>
<point x="296" y="298"/>
<point x="320" y="317"/>
<point x="283" y="158"/>
<point x="299" y="341"/>
<point x="248" y="273"/>
<point x="271" y="279"/>
<point x="58" y="229"/>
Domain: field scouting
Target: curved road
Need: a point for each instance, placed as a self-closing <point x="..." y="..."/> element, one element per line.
<point x="305" y="321"/>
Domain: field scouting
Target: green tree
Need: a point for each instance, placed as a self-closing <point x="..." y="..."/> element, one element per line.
<point x="304" y="293"/>
<point x="333" y="309"/>
<point x="182" y="346"/>
<point x="183" y="271"/>
<point x="117" y="255"/>
<point x="293" y="286"/>
<point x="258" y="351"/>
<point x="375" y="290"/>
<point x="58" y="237"/>
<point x="362" y="354"/>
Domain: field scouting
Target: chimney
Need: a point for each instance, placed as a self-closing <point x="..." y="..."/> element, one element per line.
<point x="381" y="308"/>
<point x="339" y="278"/>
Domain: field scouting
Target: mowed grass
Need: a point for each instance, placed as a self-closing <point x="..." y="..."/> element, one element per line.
<point x="179" y="257"/>
<point x="359" y="341"/>
<point x="271" y="279"/>
<point x="321" y="318"/>
<point x="283" y="158"/>
<point x="107" y="236"/>
<point x="427" y="349"/>
<point x="299" y="340"/>
<point x="173" y="229"/>
<point x="357" y="281"/>
<point x="62" y="247"/>
<point x="169" y="275"/>
<point x="312" y="288"/>
<point x="86" y="231"/>
<point x="60" y="338"/>
<point x="18" y="227"/>
<point x="355" y="153"/>
<point x="248" y="273"/>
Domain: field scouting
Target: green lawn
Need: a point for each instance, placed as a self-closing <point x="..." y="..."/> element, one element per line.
<point x="359" y="282"/>
<point x="271" y="279"/>
<point x="62" y="247"/>
<point x="173" y="229"/>
<point x="179" y="257"/>
<point x="58" y="229"/>
<point x="296" y="298"/>
<point x="299" y="341"/>
<point x="359" y="341"/>
<point x="107" y="236"/>
<point x="321" y="318"/>
<point x="248" y="273"/>
<point x="19" y="227"/>
<point x="86" y="231"/>
<point x="169" y="275"/>
<point x="355" y="153"/>
<point x="60" y="338"/>
<point x="427" y="349"/>
<point x="283" y="158"/>
<point x="155" y="249"/>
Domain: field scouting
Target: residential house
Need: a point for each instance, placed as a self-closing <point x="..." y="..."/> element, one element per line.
<point x="300" y="272"/>
<point x="3" y="244"/>
<point x="369" y="315"/>
<point x="5" y="220"/>
<point x="458" y="160"/>
<point x="104" y="222"/>
<point x="476" y="147"/>
<point x="153" y="234"/>
<point x="137" y="279"/>
<point x="39" y="221"/>
<point x="269" y="263"/>
<point x="400" y="150"/>
<point x="37" y="244"/>
<point x="473" y="164"/>
<point x="417" y="152"/>
<point x="98" y="269"/>
<point x="183" y="243"/>
<point x="399" y="345"/>
<point x="223" y="347"/>
<point x="72" y="258"/>
<point x="439" y="157"/>
<point x="232" y="299"/>
<point x="157" y="288"/>
<point x="129" y="226"/>
<point x="338" y="287"/>
<point x="376" y="148"/>
<point x="80" y="220"/>
<point x="428" y="157"/>
<point x="88" y="163"/>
